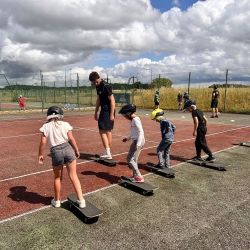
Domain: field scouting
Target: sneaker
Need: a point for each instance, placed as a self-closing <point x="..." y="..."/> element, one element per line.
<point x="81" y="203"/>
<point x="137" y="179"/>
<point x="216" y="116"/>
<point x="167" y="166"/>
<point x="196" y="158"/>
<point x="159" y="166"/>
<point x="56" y="203"/>
<point x="210" y="158"/>
<point x="212" y="116"/>
<point x="106" y="156"/>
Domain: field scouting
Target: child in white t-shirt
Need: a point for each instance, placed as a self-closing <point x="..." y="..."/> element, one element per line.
<point x="64" y="151"/>
<point x="138" y="140"/>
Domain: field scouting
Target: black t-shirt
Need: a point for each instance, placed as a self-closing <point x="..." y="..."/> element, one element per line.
<point x="216" y="94"/>
<point x="104" y="90"/>
<point x="197" y="113"/>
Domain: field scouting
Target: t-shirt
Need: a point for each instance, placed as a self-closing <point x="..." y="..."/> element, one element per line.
<point x="104" y="90"/>
<point x="216" y="94"/>
<point x="197" y="113"/>
<point x="179" y="97"/>
<point x="136" y="131"/>
<point x="156" y="98"/>
<point x="21" y="100"/>
<point x="56" y="132"/>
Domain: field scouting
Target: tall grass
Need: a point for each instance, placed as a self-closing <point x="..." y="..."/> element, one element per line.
<point x="237" y="99"/>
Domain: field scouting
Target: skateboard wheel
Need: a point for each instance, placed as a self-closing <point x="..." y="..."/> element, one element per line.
<point x="70" y="205"/>
<point x="125" y="184"/>
<point x="85" y="219"/>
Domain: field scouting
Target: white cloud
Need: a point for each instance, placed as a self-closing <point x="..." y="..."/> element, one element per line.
<point x="55" y="35"/>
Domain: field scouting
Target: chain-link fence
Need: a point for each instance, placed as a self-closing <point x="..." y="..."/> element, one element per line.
<point x="76" y="92"/>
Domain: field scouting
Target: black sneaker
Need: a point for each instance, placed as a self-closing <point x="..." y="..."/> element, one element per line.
<point x="196" y="158"/>
<point x="210" y="159"/>
<point x="159" y="166"/>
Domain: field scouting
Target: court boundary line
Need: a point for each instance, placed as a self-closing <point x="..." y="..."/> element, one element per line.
<point x="84" y="162"/>
<point x="94" y="191"/>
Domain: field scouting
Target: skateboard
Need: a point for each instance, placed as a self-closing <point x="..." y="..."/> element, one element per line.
<point x="168" y="172"/>
<point x="146" y="188"/>
<point x="247" y="144"/>
<point x="109" y="162"/>
<point x="210" y="164"/>
<point x="89" y="212"/>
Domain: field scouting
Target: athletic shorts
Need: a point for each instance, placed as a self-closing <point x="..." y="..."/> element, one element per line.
<point x="104" y="122"/>
<point x="157" y="103"/>
<point x="62" y="154"/>
<point x="214" y="103"/>
<point x="179" y="102"/>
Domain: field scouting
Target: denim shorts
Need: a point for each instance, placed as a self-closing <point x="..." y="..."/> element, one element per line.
<point x="62" y="154"/>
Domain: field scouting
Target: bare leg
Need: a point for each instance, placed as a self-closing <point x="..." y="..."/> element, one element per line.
<point x="58" y="173"/>
<point x="106" y="137"/>
<point x="71" y="167"/>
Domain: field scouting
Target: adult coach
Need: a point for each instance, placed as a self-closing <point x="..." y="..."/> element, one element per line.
<point x="214" y="102"/>
<point x="106" y="100"/>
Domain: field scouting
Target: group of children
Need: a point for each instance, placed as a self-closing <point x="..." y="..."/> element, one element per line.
<point x="64" y="150"/>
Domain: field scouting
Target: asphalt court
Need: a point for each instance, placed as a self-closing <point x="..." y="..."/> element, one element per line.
<point x="201" y="208"/>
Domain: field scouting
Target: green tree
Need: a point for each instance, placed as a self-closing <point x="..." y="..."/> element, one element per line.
<point x="160" y="82"/>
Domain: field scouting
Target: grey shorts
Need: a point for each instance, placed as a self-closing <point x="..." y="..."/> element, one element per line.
<point x="62" y="154"/>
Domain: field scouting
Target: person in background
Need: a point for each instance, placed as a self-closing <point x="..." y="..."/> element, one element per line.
<point x="179" y="100"/>
<point x="21" y="103"/>
<point x="157" y="99"/>
<point x="214" y="102"/>
<point x="185" y="98"/>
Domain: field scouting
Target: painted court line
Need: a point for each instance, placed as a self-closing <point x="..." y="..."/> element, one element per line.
<point x="94" y="191"/>
<point x="84" y="162"/>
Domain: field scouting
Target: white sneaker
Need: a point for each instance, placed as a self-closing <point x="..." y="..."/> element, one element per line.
<point x="81" y="203"/>
<point x="106" y="156"/>
<point x="56" y="203"/>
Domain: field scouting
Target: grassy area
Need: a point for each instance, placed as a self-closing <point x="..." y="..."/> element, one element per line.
<point x="236" y="101"/>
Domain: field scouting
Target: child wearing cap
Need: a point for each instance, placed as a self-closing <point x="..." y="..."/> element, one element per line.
<point x="64" y="151"/>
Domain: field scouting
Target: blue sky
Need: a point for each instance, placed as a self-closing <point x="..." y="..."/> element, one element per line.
<point x="165" y="5"/>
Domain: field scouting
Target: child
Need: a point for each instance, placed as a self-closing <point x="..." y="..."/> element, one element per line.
<point x="21" y="103"/>
<point x="167" y="133"/>
<point x="138" y="140"/>
<point x="157" y="99"/>
<point x="63" y="149"/>
<point x="200" y="130"/>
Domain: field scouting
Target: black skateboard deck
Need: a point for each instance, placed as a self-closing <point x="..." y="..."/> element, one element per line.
<point x="246" y="144"/>
<point x="89" y="212"/>
<point x="109" y="162"/>
<point x="145" y="187"/>
<point x="212" y="164"/>
<point x="168" y="172"/>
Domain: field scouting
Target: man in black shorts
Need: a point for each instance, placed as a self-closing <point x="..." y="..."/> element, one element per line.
<point x="214" y="102"/>
<point x="106" y="100"/>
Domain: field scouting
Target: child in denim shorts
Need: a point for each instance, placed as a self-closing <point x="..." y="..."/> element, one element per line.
<point x="64" y="151"/>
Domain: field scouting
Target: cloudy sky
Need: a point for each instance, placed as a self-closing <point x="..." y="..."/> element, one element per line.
<point x="124" y="38"/>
